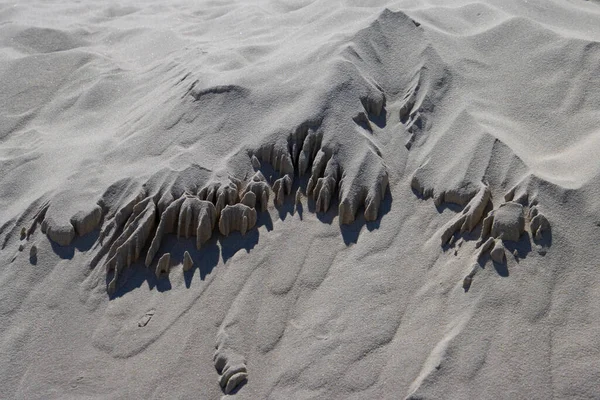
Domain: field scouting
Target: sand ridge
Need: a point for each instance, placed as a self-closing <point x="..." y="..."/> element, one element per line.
<point x="232" y="198"/>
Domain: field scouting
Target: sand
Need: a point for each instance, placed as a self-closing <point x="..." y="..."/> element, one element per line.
<point x="300" y="199"/>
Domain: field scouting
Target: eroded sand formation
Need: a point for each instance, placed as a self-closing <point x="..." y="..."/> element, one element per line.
<point x="135" y="219"/>
<point x="508" y="222"/>
<point x="230" y="365"/>
<point x="372" y="101"/>
<point x="188" y="263"/>
<point x="330" y="142"/>
<point x="195" y="201"/>
<point x="238" y="217"/>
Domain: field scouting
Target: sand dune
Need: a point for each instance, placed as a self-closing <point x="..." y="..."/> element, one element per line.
<point x="300" y="199"/>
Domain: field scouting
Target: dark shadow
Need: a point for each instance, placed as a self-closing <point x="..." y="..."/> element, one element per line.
<point x="379" y="120"/>
<point x="64" y="252"/>
<point x="384" y="208"/>
<point x="444" y="206"/>
<point x="162" y="283"/>
<point x="289" y="207"/>
<point x="207" y="256"/>
<point x="235" y="242"/>
<point x="269" y="173"/>
<point x="81" y="243"/>
<point x="417" y="194"/>
<point x="468" y="280"/>
<point x="449" y="206"/>
<point x="501" y="268"/>
<point x="351" y="232"/>
<point x="465" y="236"/>
<point x="135" y="275"/>
<point x="263" y="218"/>
<point x="362" y="121"/>
<point x="188" y="276"/>
<point x="300" y="210"/>
<point x="523" y="246"/>
<point x="519" y="249"/>
<point x="131" y="278"/>
<point x="204" y="260"/>
<point x="483" y="260"/>
<point x="33" y="259"/>
<point x="85" y="242"/>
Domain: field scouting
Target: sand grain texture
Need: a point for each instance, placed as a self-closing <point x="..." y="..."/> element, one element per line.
<point x="300" y="199"/>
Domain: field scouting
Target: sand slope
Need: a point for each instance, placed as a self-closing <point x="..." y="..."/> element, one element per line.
<point x="300" y="199"/>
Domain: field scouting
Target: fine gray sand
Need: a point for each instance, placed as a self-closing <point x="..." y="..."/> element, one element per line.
<point x="300" y="199"/>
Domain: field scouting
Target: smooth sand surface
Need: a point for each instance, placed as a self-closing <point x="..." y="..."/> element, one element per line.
<point x="300" y="199"/>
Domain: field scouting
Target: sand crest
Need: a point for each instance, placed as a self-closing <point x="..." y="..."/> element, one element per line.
<point x="300" y="199"/>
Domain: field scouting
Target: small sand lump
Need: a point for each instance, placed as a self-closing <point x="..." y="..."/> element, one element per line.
<point x="539" y="223"/>
<point x="497" y="252"/>
<point x="508" y="221"/>
<point x="163" y="265"/>
<point x="188" y="263"/>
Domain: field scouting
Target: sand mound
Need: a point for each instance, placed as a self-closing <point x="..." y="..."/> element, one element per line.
<point x="233" y="199"/>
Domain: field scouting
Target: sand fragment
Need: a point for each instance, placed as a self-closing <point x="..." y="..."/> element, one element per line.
<point x="164" y="265"/>
<point x="255" y="162"/>
<point x="539" y="223"/>
<point x="509" y="221"/>
<point x="62" y="234"/>
<point x="487" y="246"/>
<point x="188" y="263"/>
<point x="146" y="318"/>
<point x="235" y="380"/>
<point x="497" y="253"/>
<point x="281" y="188"/>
